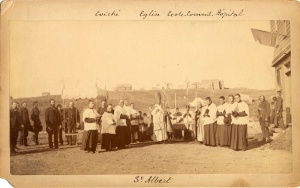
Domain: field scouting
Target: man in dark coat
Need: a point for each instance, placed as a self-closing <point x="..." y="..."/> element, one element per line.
<point x="61" y="125"/>
<point x="35" y="117"/>
<point x="25" y="124"/>
<point x="72" y="120"/>
<point x="53" y="121"/>
<point x="264" y="111"/>
<point x="278" y="121"/>
<point x="15" y="123"/>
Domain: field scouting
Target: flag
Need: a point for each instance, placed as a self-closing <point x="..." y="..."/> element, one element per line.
<point x="264" y="37"/>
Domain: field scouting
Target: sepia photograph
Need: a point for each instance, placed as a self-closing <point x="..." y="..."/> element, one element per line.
<point x="149" y="93"/>
<point x="213" y="97"/>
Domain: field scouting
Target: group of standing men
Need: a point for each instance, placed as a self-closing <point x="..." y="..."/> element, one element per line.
<point x="20" y="124"/>
<point x="56" y="120"/>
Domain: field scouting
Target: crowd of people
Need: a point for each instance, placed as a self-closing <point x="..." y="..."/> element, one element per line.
<point x="223" y="125"/>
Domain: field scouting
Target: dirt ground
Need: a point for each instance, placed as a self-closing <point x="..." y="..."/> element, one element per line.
<point x="149" y="158"/>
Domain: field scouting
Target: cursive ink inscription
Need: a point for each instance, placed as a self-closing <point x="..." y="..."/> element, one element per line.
<point x="188" y="14"/>
<point x="152" y="13"/>
<point x="151" y="179"/>
<point x="108" y="13"/>
<point x="229" y="13"/>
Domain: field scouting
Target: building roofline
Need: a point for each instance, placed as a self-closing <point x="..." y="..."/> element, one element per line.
<point x="282" y="56"/>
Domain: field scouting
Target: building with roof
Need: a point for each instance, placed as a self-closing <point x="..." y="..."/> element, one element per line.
<point x="279" y="39"/>
<point x="123" y="87"/>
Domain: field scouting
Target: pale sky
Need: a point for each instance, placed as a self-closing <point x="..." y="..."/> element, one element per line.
<point x="143" y="53"/>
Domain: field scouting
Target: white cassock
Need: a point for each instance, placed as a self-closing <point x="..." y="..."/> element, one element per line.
<point x="232" y="107"/>
<point x="200" y="126"/>
<point x="159" y="130"/>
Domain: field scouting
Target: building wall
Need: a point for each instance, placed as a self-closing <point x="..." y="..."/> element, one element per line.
<point x="283" y="41"/>
<point x="282" y="64"/>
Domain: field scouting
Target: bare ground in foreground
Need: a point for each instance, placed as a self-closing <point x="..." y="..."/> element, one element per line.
<point x="149" y="158"/>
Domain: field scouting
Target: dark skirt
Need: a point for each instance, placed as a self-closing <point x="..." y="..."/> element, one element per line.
<point x="149" y="131"/>
<point x="239" y="139"/>
<point x="123" y="136"/>
<point x="89" y="140"/>
<point x="134" y="128"/>
<point x="223" y="135"/>
<point x="210" y="134"/>
<point x="109" y="141"/>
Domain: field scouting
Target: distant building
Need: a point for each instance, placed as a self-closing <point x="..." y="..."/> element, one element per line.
<point x="124" y="87"/>
<point x="208" y="84"/>
<point x="279" y="39"/>
<point x="45" y="94"/>
<point x="183" y="86"/>
<point x="196" y="85"/>
<point x="164" y="85"/>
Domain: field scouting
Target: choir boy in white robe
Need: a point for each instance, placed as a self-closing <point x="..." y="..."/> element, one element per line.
<point x="223" y="126"/>
<point x="108" y="129"/>
<point x="121" y="118"/>
<point x="230" y="119"/>
<point x="159" y="129"/>
<point x="210" y="123"/>
<point x="90" y="134"/>
<point x="239" y="137"/>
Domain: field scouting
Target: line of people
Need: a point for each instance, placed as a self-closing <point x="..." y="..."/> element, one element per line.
<point x="223" y="125"/>
<point x="119" y="127"/>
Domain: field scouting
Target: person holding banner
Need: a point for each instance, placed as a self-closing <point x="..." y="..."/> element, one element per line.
<point x="159" y="129"/>
<point x="210" y="123"/>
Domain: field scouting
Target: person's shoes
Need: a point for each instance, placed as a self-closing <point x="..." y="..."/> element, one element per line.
<point x="17" y="148"/>
<point x="268" y="141"/>
<point x="13" y="151"/>
<point x="61" y="144"/>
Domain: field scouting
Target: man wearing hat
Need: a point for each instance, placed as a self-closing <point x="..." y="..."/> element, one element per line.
<point x="278" y="121"/>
